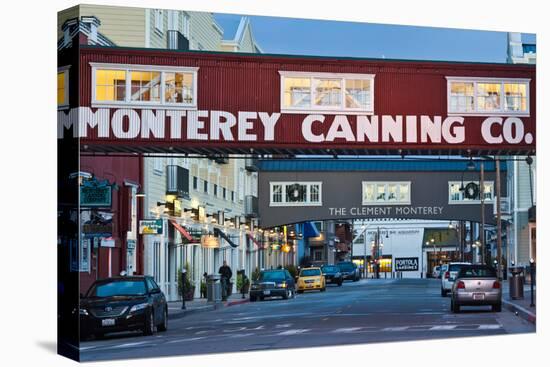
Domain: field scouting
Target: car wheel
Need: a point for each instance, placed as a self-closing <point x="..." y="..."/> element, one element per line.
<point x="300" y="291"/>
<point x="497" y="307"/>
<point x="323" y="289"/>
<point x="99" y="336"/>
<point x="443" y="293"/>
<point x="456" y="307"/>
<point x="340" y="283"/>
<point x="149" y="327"/>
<point x="164" y="324"/>
<point x="252" y="298"/>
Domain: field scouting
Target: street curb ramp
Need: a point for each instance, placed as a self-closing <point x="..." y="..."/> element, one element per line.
<point x="522" y="312"/>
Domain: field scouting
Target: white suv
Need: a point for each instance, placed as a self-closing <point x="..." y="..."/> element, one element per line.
<point x="448" y="275"/>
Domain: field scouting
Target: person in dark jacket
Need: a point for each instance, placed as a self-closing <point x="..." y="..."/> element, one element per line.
<point x="226" y="274"/>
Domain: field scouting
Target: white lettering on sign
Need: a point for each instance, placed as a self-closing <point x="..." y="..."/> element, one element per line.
<point x="385" y="211"/>
<point x="247" y="126"/>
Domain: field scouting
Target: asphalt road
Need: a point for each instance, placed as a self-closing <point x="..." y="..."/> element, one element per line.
<point x="371" y="311"/>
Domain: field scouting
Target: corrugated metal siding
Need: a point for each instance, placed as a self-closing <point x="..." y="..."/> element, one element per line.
<point x="252" y="83"/>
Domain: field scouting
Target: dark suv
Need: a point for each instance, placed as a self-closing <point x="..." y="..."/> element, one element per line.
<point x="273" y="283"/>
<point x="349" y="270"/>
<point x="123" y="304"/>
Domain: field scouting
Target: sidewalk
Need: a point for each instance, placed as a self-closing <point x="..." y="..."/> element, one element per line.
<point x="200" y="305"/>
<point x="520" y="306"/>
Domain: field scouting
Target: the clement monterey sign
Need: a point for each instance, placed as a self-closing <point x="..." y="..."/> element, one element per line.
<point x="249" y="126"/>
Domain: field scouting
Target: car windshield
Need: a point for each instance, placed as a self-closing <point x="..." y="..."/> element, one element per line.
<point x="345" y="267"/>
<point x="330" y="269"/>
<point x="477" y="272"/>
<point x="118" y="288"/>
<point x="272" y="275"/>
<point x="310" y="272"/>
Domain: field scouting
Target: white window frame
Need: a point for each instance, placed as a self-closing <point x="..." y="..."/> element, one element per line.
<point x="65" y="71"/>
<point x="462" y="202"/>
<point x="477" y="111"/>
<point x="159" y="20"/>
<point x="386" y="183"/>
<point x="308" y="201"/>
<point x="128" y="68"/>
<point x="343" y="110"/>
<point x="158" y="165"/>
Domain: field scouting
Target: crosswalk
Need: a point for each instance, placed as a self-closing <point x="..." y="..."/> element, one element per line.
<point x="286" y="330"/>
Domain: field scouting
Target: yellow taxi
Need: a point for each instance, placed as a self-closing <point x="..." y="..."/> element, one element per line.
<point x="311" y="279"/>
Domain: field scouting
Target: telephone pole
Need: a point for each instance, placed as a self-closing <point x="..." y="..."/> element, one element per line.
<point x="499" y="224"/>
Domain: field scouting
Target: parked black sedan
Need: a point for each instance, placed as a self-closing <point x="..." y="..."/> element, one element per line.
<point x="123" y="304"/>
<point x="332" y="274"/>
<point x="273" y="283"/>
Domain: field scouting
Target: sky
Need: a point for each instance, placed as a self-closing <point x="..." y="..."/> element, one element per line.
<point x="350" y="39"/>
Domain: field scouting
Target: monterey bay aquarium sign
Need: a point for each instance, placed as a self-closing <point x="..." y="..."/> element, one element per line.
<point x="197" y="102"/>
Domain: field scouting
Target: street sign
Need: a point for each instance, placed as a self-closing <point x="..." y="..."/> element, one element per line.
<point x="406" y="264"/>
<point x="150" y="226"/>
<point x="209" y="241"/>
<point x="95" y="193"/>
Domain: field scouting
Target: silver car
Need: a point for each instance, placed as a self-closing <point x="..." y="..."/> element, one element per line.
<point x="476" y="285"/>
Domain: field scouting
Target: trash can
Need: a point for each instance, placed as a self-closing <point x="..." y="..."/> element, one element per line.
<point x="213" y="288"/>
<point x="516" y="281"/>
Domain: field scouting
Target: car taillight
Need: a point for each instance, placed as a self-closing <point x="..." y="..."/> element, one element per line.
<point x="447" y="275"/>
<point x="496" y="285"/>
<point x="460" y="285"/>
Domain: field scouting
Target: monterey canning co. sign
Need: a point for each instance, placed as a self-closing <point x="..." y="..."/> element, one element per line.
<point x="270" y="128"/>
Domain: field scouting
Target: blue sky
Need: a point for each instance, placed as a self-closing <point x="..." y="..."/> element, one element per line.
<point x="332" y="38"/>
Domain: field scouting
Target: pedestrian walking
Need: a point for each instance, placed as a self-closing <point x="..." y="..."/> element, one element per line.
<point x="226" y="274"/>
<point x="183" y="287"/>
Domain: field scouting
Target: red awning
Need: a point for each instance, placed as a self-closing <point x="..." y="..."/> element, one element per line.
<point x="254" y="241"/>
<point x="181" y="230"/>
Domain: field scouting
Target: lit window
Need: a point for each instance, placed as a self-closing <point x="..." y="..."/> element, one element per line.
<point x="488" y="96"/>
<point x="178" y="87"/>
<point x="515" y="97"/>
<point x="375" y="193"/>
<point x="297" y="92"/>
<point x="462" y="97"/>
<point x="358" y="94"/>
<point x="63" y="87"/>
<point x="145" y="86"/>
<point x="296" y="193"/>
<point x="110" y="85"/>
<point x="457" y="196"/>
<point x="303" y="92"/>
<point x="328" y="92"/>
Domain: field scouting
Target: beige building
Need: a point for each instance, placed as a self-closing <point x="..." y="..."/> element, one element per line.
<point x="215" y="186"/>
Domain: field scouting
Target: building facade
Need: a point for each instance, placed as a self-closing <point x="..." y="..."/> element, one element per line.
<point x="520" y="209"/>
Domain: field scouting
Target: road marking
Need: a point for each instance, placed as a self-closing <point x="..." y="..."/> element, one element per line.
<point x="395" y="328"/>
<point x="294" y="332"/>
<point x="185" y="340"/>
<point x="280" y="326"/>
<point x="443" y="327"/>
<point x="489" y="327"/>
<point x="346" y="330"/>
<point x="240" y="335"/>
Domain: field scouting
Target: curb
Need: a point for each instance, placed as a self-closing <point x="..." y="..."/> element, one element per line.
<point x="206" y="308"/>
<point x="522" y="312"/>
